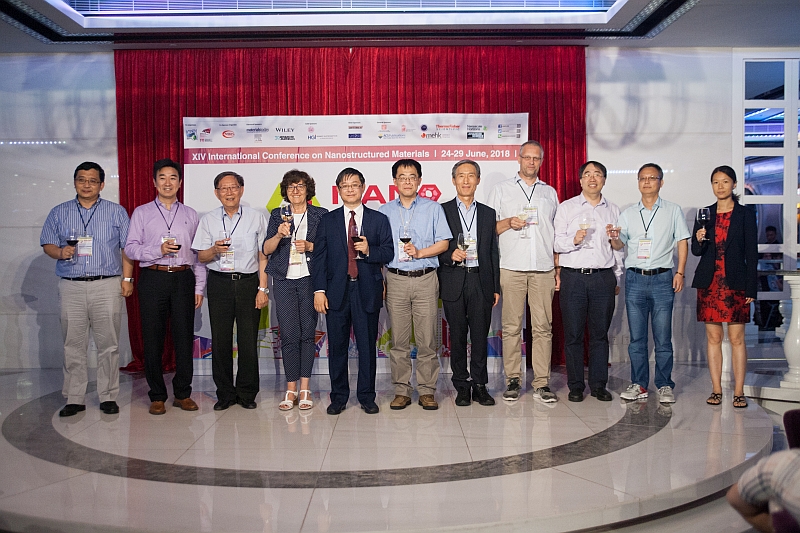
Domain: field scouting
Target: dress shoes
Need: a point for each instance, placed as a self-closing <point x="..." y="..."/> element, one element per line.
<point x="481" y="395"/>
<point x="428" y="402"/>
<point x="71" y="409"/>
<point x="109" y="408"/>
<point x="337" y="408"/>
<point x="247" y="404"/>
<point x="400" y="402"/>
<point x="157" y="408"/>
<point x="187" y="404"/>
<point x="575" y="396"/>
<point x="602" y="394"/>
<point x="221" y="405"/>
<point x="370" y="408"/>
<point x="463" y="397"/>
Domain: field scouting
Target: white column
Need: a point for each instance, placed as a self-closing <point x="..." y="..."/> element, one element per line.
<point x="791" y="344"/>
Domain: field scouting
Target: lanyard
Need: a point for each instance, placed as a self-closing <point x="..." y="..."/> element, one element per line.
<point x="403" y="216"/>
<point x="297" y="226"/>
<point x="472" y="222"/>
<point x="647" y="227"/>
<point x="169" y="224"/>
<point x="526" y="194"/>
<point x="94" y="210"/>
<point x="239" y="212"/>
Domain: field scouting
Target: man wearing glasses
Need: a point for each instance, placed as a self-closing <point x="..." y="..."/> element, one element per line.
<point x="590" y="274"/>
<point x="526" y="207"/>
<point x="228" y="241"/>
<point x="171" y="284"/>
<point x="420" y="233"/>
<point x="353" y="243"/>
<point x="651" y="229"/>
<point x="87" y="236"/>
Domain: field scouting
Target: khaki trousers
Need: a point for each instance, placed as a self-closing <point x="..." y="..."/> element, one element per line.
<point x="413" y="300"/>
<point x="539" y="288"/>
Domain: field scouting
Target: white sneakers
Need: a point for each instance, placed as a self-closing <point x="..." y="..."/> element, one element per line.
<point x="637" y="392"/>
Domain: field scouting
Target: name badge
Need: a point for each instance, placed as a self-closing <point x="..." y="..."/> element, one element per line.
<point x="472" y="251"/>
<point x="295" y="257"/>
<point x="533" y="214"/>
<point x="226" y="261"/>
<point x="645" y="245"/>
<point x="402" y="256"/>
<point x="84" y="247"/>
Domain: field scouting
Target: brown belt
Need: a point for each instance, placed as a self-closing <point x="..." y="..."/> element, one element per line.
<point x="167" y="268"/>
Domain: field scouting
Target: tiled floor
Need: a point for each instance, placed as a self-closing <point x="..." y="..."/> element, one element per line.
<point x="511" y="467"/>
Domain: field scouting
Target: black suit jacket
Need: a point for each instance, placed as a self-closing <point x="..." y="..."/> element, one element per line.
<point x="741" y="252"/>
<point x="279" y="259"/>
<point x="452" y="276"/>
<point x="329" y="272"/>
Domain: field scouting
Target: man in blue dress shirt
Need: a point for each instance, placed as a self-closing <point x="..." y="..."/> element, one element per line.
<point x="90" y="288"/>
<point x="420" y="233"/>
<point x="652" y="229"/>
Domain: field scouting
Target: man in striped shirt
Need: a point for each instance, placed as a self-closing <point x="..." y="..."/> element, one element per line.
<point x="87" y="236"/>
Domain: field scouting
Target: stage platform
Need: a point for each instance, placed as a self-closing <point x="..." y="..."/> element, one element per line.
<point x="522" y="466"/>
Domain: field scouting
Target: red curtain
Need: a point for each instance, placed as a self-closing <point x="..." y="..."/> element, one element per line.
<point x="157" y="88"/>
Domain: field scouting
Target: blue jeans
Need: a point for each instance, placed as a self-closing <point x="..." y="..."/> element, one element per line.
<point x="650" y="297"/>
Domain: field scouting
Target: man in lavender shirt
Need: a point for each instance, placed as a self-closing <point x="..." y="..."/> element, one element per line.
<point x="171" y="284"/>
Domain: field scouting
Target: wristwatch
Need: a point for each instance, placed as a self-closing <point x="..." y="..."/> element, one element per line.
<point x="129" y="280"/>
<point x="265" y="290"/>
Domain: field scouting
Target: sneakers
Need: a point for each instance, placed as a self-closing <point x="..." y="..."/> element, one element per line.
<point x="512" y="392"/>
<point x="635" y="392"/>
<point x="665" y="394"/>
<point x="544" y="394"/>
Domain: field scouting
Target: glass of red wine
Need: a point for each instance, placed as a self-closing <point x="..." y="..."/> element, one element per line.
<point x="286" y="214"/>
<point x="72" y="240"/>
<point x="225" y="236"/>
<point x="355" y="236"/>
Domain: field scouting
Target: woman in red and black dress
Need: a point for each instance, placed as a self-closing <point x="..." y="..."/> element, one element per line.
<point x="726" y="279"/>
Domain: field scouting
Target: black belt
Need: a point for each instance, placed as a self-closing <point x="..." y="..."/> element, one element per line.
<point x="472" y="270"/>
<point x="412" y="273"/>
<point x="586" y="271"/>
<point x="167" y="268"/>
<point x="651" y="272"/>
<point x="233" y="276"/>
<point x="90" y="278"/>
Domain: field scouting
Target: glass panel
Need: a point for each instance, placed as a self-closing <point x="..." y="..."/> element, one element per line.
<point x="763" y="127"/>
<point x="763" y="80"/>
<point x="766" y="315"/>
<point x="769" y="218"/>
<point x="763" y="175"/>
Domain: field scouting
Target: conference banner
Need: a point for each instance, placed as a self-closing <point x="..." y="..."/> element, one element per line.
<point x="262" y="149"/>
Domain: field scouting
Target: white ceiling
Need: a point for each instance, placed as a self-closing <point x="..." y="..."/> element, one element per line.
<point x="708" y="23"/>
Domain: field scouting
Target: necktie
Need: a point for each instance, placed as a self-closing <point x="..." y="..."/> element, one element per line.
<point x="352" y="268"/>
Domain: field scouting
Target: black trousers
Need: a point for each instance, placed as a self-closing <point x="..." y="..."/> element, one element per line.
<point x="469" y="313"/>
<point x="365" y="328"/>
<point x="167" y="296"/>
<point x="587" y="299"/>
<point x="232" y="301"/>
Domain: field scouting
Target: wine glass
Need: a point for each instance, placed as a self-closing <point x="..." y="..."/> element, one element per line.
<point x="72" y="240"/>
<point x="286" y="215"/>
<point x="169" y="238"/>
<point x="225" y="236"/>
<point x="462" y="243"/>
<point x="405" y="233"/>
<point x="585" y="223"/>
<point x="354" y="235"/>
<point x="703" y="218"/>
<point x="523" y="216"/>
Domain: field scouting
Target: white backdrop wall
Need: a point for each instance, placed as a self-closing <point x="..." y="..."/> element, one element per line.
<point x="670" y="106"/>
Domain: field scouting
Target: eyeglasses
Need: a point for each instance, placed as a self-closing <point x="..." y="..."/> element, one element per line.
<point x="229" y="189"/>
<point x="350" y="187"/>
<point x="84" y="181"/>
<point x="406" y="179"/>
<point x="296" y="188"/>
<point x="648" y="179"/>
<point x="529" y="158"/>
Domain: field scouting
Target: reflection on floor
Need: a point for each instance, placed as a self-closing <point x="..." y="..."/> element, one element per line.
<point x="513" y="466"/>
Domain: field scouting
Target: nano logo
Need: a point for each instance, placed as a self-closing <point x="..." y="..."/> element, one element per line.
<point x="430" y="191"/>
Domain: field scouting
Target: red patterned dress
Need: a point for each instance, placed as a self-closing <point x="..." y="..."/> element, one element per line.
<point x="719" y="303"/>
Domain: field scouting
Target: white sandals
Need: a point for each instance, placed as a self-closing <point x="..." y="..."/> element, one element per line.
<point x="287" y="404"/>
<point x="306" y="403"/>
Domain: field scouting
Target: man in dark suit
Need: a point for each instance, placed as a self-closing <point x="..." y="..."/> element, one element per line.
<point x="348" y="286"/>
<point x="469" y="283"/>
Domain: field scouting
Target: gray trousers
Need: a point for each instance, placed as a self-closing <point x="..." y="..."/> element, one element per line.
<point x="96" y="305"/>
<point x="413" y="300"/>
